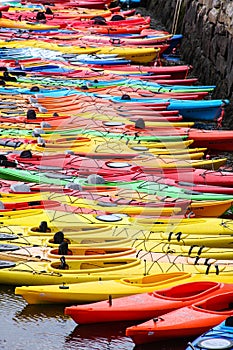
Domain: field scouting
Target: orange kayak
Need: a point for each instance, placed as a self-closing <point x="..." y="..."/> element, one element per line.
<point x="147" y="305"/>
<point x="187" y="321"/>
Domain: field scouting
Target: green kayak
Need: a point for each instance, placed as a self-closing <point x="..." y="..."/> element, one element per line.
<point x="149" y="187"/>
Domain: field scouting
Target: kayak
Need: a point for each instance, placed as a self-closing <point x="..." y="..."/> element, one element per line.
<point x="117" y="225"/>
<point x="48" y="175"/>
<point x="43" y="45"/>
<point x="97" y="291"/>
<point x="176" y="72"/>
<point x="8" y="23"/>
<point x="193" y="110"/>
<point x="198" y="208"/>
<point x="163" y="247"/>
<point x="37" y="204"/>
<point x="80" y="240"/>
<point x="144" y="306"/>
<point x="72" y="271"/>
<point x="212" y="241"/>
<point x="189" y="321"/>
<point x="15" y="253"/>
<point x="219" y="337"/>
<point x="210" y="177"/>
<point x="217" y="140"/>
<point x="193" y="251"/>
<point x="91" y="292"/>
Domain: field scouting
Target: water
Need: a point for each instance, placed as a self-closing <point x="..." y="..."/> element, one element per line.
<point x="45" y="327"/>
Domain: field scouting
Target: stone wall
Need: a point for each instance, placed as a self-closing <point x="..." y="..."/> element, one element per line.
<point x="207" y="28"/>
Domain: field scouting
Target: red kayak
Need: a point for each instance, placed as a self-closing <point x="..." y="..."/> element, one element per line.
<point x="38" y="204"/>
<point x="176" y="72"/>
<point x="81" y="165"/>
<point x="198" y="176"/>
<point x="200" y="188"/>
<point x="4" y="8"/>
<point x="218" y="140"/>
<point x="189" y="321"/>
<point x="147" y="305"/>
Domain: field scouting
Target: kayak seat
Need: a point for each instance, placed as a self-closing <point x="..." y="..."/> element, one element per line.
<point x="35" y="89"/>
<point x="58" y="237"/>
<point x="63" y="264"/>
<point x="43" y="227"/>
<point x="63" y="249"/>
<point x="26" y="154"/>
<point x="31" y="114"/>
<point x="40" y="16"/>
<point x="125" y="97"/>
<point x="117" y="18"/>
<point x="7" y="77"/>
<point x="99" y="20"/>
<point x="48" y="11"/>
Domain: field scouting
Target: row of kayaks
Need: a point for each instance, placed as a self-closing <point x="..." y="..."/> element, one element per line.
<point x="111" y="197"/>
<point x="182" y="310"/>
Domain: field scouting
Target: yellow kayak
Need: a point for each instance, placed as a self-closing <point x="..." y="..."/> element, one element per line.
<point x="44" y="45"/>
<point x="212" y="241"/>
<point x="26" y="243"/>
<point x="90" y="146"/>
<point x="8" y="23"/>
<point x="30" y="221"/>
<point x="76" y="271"/>
<point x="69" y="251"/>
<point x="88" y="292"/>
<point x="208" y="208"/>
<point x="99" y="290"/>
<point x="194" y="251"/>
<point x="138" y="55"/>
<point x="200" y="226"/>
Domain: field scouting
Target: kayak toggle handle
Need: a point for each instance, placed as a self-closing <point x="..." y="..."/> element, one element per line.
<point x="156" y="319"/>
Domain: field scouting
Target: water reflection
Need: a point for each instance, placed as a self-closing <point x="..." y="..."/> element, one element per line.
<point x="113" y="335"/>
<point x="46" y="327"/>
<point x="34" y="312"/>
<point x="101" y="336"/>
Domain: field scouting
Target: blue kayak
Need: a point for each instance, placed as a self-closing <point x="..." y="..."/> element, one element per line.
<point x="190" y="109"/>
<point x="218" y="338"/>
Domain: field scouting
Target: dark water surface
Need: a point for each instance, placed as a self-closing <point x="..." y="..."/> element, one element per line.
<point x="45" y="327"/>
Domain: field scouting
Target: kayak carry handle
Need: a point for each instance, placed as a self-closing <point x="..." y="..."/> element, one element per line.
<point x="110" y="300"/>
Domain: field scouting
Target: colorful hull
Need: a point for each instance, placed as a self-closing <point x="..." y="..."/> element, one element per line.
<point x="185" y="322"/>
